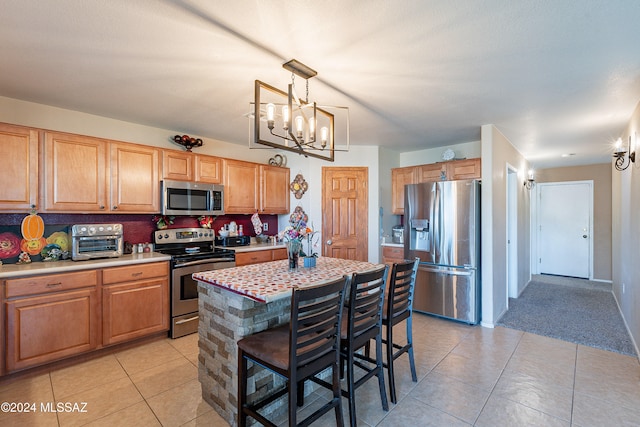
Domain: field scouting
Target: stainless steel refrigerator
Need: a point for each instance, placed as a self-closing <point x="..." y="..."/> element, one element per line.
<point x="442" y="228"/>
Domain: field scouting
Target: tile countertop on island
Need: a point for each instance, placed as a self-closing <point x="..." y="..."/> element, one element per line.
<point x="50" y="267"/>
<point x="272" y="281"/>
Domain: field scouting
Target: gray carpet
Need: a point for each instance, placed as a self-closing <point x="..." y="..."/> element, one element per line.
<point x="574" y="310"/>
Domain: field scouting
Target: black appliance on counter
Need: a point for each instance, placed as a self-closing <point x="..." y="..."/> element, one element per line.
<point x="232" y="241"/>
<point x="191" y="251"/>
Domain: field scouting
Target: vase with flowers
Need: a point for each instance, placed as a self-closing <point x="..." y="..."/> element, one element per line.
<point x="294" y="234"/>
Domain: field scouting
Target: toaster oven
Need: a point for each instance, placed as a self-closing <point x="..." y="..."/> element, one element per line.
<point x="90" y="241"/>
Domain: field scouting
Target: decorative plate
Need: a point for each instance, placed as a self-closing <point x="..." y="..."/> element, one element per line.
<point x="448" y="154"/>
<point x="298" y="186"/>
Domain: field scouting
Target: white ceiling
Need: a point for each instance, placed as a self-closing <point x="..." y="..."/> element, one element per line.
<point x="555" y="76"/>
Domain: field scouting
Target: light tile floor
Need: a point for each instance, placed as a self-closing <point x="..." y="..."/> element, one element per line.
<point x="467" y="375"/>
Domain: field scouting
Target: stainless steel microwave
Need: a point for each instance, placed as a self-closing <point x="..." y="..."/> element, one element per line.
<point x="192" y="198"/>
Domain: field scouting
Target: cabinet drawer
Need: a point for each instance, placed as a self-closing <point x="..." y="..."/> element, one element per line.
<point x="135" y="272"/>
<point x="393" y="252"/>
<point x="50" y="283"/>
<point x="280" y="253"/>
<point x="253" y="257"/>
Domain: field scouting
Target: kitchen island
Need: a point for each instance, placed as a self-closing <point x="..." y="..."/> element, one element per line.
<point x="240" y="301"/>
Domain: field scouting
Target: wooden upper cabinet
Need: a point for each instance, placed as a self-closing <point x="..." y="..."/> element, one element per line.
<point x="431" y="172"/>
<point x="441" y="171"/>
<point x="464" y="169"/>
<point x="274" y="190"/>
<point x="19" y="166"/>
<point x="86" y="174"/>
<point x="208" y="169"/>
<point x="74" y="171"/>
<point x="241" y="187"/>
<point x="135" y="181"/>
<point x="399" y="178"/>
<point x="177" y="165"/>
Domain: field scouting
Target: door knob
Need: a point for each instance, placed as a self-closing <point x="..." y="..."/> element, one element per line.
<point x="584" y="236"/>
<point x="329" y="242"/>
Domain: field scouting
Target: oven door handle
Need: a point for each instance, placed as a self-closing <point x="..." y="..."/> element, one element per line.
<point x="190" y="319"/>
<point x="204" y="261"/>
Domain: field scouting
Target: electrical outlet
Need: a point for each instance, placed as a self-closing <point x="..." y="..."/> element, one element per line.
<point x="265" y="226"/>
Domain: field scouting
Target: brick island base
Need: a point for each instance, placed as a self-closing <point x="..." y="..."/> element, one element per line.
<point x="226" y="317"/>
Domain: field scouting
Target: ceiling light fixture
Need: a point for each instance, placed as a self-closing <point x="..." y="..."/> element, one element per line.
<point x="530" y="182"/>
<point x="622" y="161"/>
<point x="285" y="121"/>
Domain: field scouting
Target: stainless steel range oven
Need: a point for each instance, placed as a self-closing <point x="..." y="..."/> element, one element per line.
<point x="191" y="251"/>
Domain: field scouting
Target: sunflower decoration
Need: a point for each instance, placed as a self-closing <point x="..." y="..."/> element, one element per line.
<point x="298" y="186"/>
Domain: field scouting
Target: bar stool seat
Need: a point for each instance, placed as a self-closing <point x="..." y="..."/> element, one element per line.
<point x="296" y="351"/>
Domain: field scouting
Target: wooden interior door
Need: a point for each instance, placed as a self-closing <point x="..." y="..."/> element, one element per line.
<point x="344" y="212"/>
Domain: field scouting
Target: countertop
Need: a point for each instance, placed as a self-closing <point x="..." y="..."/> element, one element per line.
<point x="271" y="281"/>
<point x="52" y="267"/>
<point x="253" y="247"/>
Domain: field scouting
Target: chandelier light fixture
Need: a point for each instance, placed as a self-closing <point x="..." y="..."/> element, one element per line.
<point x="620" y="155"/>
<point x="285" y="121"/>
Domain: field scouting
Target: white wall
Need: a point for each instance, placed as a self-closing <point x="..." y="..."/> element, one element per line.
<point x="497" y="154"/>
<point x="311" y="202"/>
<point x="466" y="150"/>
<point x="53" y="118"/>
<point x="626" y="234"/>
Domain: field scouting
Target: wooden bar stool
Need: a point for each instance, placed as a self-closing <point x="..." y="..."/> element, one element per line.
<point x="301" y="349"/>
<point x="362" y="322"/>
<point x="398" y="307"/>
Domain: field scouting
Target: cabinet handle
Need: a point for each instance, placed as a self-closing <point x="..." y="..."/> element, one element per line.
<point x="114" y="208"/>
<point x="101" y="206"/>
<point x="139" y="273"/>
<point x="53" y="285"/>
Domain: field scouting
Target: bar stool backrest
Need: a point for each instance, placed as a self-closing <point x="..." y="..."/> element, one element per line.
<point x="365" y="305"/>
<point x="315" y="324"/>
<point x="400" y="291"/>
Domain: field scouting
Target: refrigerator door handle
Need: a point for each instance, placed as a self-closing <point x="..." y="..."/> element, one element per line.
<point x="444" y="271"/>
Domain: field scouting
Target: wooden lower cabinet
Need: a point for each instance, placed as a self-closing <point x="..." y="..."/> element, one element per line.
<point x="391" y="255"/>
<point x="256" y="257"/>
<point x="51" y="325"/>
<point x="52" y="317"/>
<point x="135" y="302"/>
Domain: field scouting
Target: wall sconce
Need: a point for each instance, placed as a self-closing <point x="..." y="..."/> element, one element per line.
<point x="530" y="182"/>
<point x="622" y="161"/>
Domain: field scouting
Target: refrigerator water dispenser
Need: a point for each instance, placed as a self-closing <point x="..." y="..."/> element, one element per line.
<point x="419" y="235"/>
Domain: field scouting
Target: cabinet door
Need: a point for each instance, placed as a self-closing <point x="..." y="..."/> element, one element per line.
<point x="19" y="166"/>
<point x="209" y="169"/>
<point x="241" y="187"/>
<point x="135" y="181"/>
<point x="177" y="165"/>
<point x="399" y="178"/>
<point x="46" y="328"/>
<point x="75" y="169"/>
<point x="134" y="309"/>
<point x="431" y="172"/>
<point x="464" y="169"/>
<point x="274" y="190"/>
